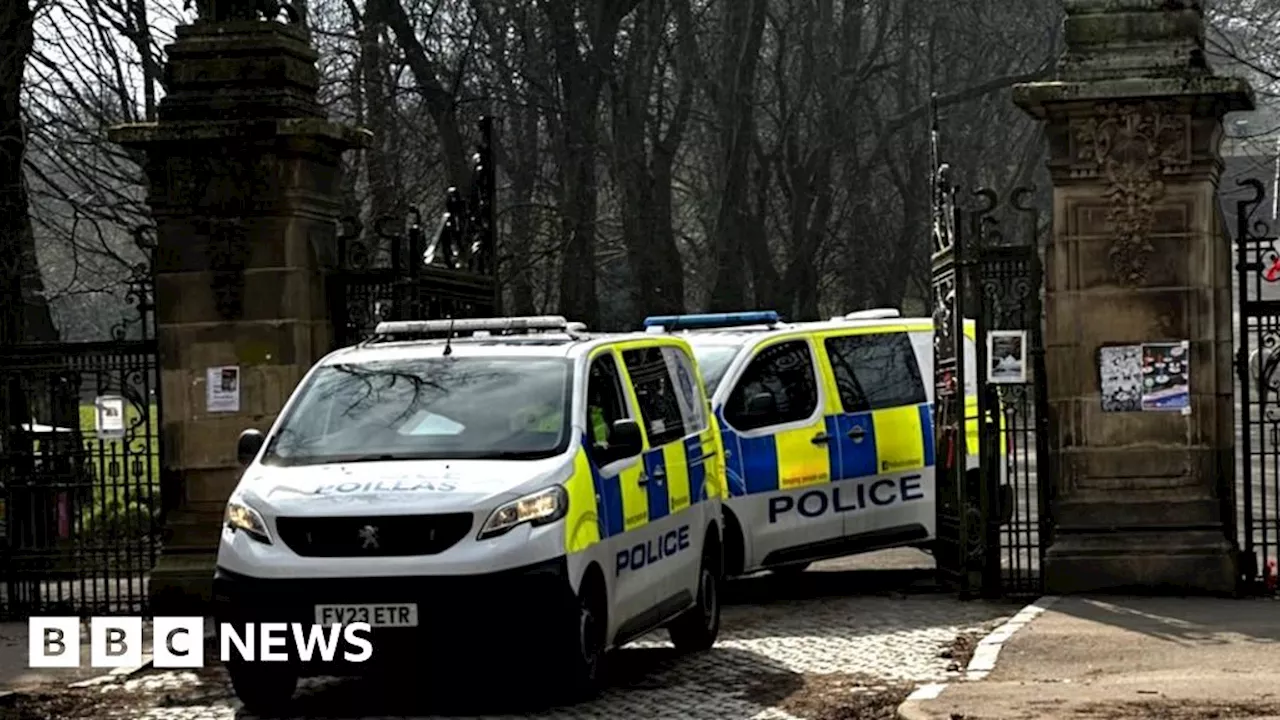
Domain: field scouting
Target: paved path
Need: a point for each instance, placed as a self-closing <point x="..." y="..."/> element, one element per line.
<point x="857" y="630"/>
<point x="1128" y="659"/>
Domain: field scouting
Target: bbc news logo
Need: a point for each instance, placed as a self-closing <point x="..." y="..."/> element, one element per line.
<point x="178" y="642"/>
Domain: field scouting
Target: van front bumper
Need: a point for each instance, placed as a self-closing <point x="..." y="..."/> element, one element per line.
<point x="460" y="617"/>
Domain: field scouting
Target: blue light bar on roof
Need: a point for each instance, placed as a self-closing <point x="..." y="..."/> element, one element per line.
<point x="713" y="320"/>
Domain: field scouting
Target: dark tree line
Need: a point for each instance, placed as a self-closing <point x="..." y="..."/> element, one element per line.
<point x="654" y="155"/>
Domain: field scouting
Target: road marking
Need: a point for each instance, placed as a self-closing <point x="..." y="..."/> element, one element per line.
<point x="988" y="649"/>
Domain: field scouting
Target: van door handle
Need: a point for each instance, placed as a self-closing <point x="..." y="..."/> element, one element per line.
<point x="821" y="439"/>
<point x="856" y="433"/>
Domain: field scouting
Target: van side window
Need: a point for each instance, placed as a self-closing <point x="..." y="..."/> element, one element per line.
<point x="656" y="394"/>
<point x="605" y="405"/>
<point x="876" y="371"/>
<point x="692" y="403"/>
<point x="783" y="371"/>
<point x="922" y="341"/>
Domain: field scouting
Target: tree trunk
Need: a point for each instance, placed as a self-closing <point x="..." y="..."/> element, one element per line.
<point x="581" y="77"/>
<point x="645" y="180"/>
<point x="735" y="112"/>
<point x="440" y="102"/>
<point x="384" y="196"/>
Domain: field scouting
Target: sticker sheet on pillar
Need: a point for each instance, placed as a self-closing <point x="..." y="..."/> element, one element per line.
<point x="1166" y="377"/>
<point x="1151" y="377"/>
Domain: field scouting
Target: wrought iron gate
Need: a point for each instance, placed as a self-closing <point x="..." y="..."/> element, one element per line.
<point x="1012" y="416"/>
<point x="392" y="272"/>
<point x="957" y="549"/>
<point x="990" y="420"/>
<point x="1257" y="391"/>
<point x="80" y="511"/>
<point x="993" y="518"/>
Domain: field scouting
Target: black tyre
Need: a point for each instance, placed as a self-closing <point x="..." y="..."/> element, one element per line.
<point x="265" y="689"/>
<point x="790" y="570"/>
<point x="696" y="629"/>
<point x="584" y="654"/>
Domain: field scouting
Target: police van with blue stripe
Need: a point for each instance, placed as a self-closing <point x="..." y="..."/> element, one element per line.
<point x="828" y="431"/>
<point x="479" y="491"/>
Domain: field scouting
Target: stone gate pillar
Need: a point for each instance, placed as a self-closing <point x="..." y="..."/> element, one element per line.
<point x="243" y="173"/>
<point x="1143" y="500"/>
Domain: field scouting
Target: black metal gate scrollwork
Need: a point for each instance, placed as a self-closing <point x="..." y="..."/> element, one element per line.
<point x="953" y="549"/>
<point x="1258" y="391"/>
<point x="990" y="418"/>
<point x="80" y="465"/>
<point x="1011" y="419"/>
<point x="391" y="271"/>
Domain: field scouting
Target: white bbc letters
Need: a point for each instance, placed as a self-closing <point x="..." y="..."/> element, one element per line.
<point x="178" y="642"/>
<point x="115" y="642"/>
<point x="53" y="642"/>
<point x="274" y="635"/>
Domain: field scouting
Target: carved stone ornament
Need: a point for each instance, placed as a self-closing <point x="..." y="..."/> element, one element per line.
<point x="221" y="11"/>
<point x="1133" y="147"/>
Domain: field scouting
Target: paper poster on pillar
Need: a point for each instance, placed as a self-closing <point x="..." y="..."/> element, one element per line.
<point x="1120" y="378"/>
<point x="1166" y="377"/>
<point x="222" y="389"/>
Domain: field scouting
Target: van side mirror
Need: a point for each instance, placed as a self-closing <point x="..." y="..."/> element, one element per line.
<point x="625" y="439"/>
<point x="248" y="445"/>
<point x="761" y="405"/>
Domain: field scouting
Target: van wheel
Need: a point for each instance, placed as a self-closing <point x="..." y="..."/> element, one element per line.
<point x="790" y="570"/>
<point x="696" y="629"/>
<point x="262" y="689"/>
<point x="584" y="656"/>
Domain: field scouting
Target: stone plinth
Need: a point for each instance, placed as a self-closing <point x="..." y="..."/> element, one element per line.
<point x="243" y="174"/>
<point x="1143" y="501"/>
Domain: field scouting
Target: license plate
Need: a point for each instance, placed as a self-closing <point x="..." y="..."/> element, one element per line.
<point x="391" y="615"/>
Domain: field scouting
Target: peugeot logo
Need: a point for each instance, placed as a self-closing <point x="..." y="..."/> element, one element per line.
<point x="369" y="537"/>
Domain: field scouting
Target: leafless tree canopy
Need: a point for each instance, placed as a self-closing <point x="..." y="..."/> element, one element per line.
<point x="654" y="155"/>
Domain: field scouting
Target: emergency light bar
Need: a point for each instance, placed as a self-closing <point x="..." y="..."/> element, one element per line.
<point x="873" y="314"/>
<point x="470" y="325"/>
<point x="712" y="320"/>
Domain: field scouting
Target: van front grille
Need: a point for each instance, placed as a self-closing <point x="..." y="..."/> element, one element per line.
<point x="375" y="536"/>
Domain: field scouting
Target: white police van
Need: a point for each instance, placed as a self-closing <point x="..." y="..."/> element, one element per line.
<point x="828" y="431"/>
<point x="481" y="491"/>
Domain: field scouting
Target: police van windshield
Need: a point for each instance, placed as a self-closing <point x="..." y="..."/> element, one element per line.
<point x="427" y="409"/>
<point x="713" y="361"/>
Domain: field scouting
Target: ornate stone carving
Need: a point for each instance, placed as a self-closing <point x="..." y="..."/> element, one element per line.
<point x="1133" y="146"/>
<point x="240" y="10"/>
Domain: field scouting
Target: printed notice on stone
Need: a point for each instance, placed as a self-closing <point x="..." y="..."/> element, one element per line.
<point x="1120" y="368"/>
<point x="222" y="389"/>
<point x="1166" y="377"/>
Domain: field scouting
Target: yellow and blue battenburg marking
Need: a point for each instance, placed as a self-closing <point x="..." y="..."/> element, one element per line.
<point x="859" y="445"/>
<point x="683" y="467"/>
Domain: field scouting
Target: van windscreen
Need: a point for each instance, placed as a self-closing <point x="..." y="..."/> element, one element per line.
<point x="713" y="362"/>
<point x="428" y="409"/>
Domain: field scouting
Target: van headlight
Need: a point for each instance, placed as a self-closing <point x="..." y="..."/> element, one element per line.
<point x="540" y="508"/>
<point x="243" y="518"/>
